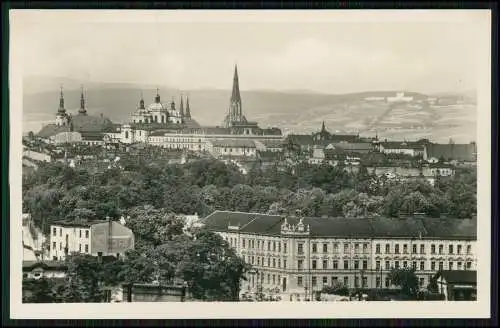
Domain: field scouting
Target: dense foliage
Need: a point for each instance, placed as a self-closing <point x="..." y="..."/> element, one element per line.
<point x="56" y="191"/>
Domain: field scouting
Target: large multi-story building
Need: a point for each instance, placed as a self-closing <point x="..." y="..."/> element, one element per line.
<point x="97" y="238"/>
<point x="297" y="256"/>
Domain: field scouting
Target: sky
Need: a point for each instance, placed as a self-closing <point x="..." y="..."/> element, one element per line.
<point x="329" y="52"/>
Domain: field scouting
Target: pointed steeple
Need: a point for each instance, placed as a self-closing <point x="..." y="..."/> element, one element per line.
<point x="157" y="98"/>
<point x="82" y="110"/>
<point x="323" y="128"/>
<point x="235" y="96"/>
<point x="61" y="109"/>
<point x="188" y="110"/>
<point x="141" y="102"/>
<point x="181" y="109"/>
<point x="172" y="104"/>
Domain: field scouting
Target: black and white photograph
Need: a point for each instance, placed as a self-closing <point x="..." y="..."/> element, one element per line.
<point x="304" y="163"/>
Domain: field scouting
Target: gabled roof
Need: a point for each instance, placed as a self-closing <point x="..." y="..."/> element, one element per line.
<point x="459" y="276"/>
<point x="87" y="224"/>
<point x="54" y="265"/>
<point x="401" y="145"/>
<point x="300" y="139"/>
<point x="378" y="227"/>
<point x="354" y="146"/>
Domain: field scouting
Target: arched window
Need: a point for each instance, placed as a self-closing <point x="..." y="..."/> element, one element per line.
<point x="126" y="134"/>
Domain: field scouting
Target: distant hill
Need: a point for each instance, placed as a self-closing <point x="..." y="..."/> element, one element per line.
<point x="298" y="112"/>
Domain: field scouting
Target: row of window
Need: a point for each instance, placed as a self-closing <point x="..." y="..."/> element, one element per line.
<point x="346" y="281"/>
<point x="275" y="246"/>
<point x="270" y="279"/>
<point x="451" y="249"/>
<point x="356" y="264"/>
<point x="54" y="233"/>
<point x="54" y="246"/>
<point x="260" y="261"/>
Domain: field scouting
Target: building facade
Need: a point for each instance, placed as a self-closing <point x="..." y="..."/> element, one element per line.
<point x="295" y="257"/>
<point x="97" y="238"/>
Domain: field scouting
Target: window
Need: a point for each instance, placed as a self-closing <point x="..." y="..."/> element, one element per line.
<point x="274" y="246"/>
<point x="325" y="248"/>
<point x="405" y="248"/>
<point x="396" y="249"/>
<point x="387" y="248"/>
<point x="54" y="245"/>
<point x="284" y="248"/>
<point x="336" y="247"/>
<point x="405" y="264"/>
<point x="314" y="281"/>
<point x="253" y="259"/>
<point x="334" y="280"/>
<point x="346" y="281"/>
<point x="299" y="281"/>
<point x="377" y="249"/>
<point x="459" y="265"/>
<point x="459" y="249"/>
<point x="450" y="249"/>
<point x="300" y="264"/>
<point x="325" y="264"/>
<point x="377" y="265"/>
<point x="279" y="247"/>
<point x="433" y="265"/>
<point x="60" y="232"/>
<point x="80" y="248"/>
<point x="356" y="248"/>
<point x="258" y="260"/>
<point x="325" y="280"/>
<point x="346" y="247"/>
<point x="414" y="249"/>
<point x="365" y="282"/>
<point x="356" y="282"/>
<point x="54" y="231"/>
<point x="244" y="243"/>
<point x="335" y="264"/>
<point x="314" y="264"/>
<point x="421" y="281"/>
<point x="284" y="264"/>
<point x="414" y="265"/>
<point x="268" y="278"/>
<point x="258" y="244"/>
<point x="86" y="248"/>
<point x="433" y="249"/>
<point x="274" y="263"/>
<point x="387" y="265"/>
<point x="314" y="248"/>
<point x="422" y="265"/>
<point x="469" y="265"/>
<point x="268" y="261"/>
<point x="300" y="248"/>
<point x="441" y="247"/>
<point x="387" y="282"/>
<point x="346" y="264"/>
<point x="365" y="248"/>
<point x="274" y="279"/>
<point x="356" y="264"/>
<point x="60" y="246"/>
<point x="365" y="264"/>
<point x="86" y="234"/>
<point x="422" y="248"/>
<point x="396" y="264"/>
<point x="468" y="249"/>
<point x="377" y="282"/>
<point x="441" y="265"/>
<point x="450" y="266"/>
<point x="269" y="245"/>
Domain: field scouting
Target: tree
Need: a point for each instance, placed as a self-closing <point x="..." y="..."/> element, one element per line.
<point x="406" y="279"/>
<point x="38" y="291"/>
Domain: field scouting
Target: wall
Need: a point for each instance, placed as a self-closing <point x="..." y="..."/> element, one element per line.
<point x="153" y="293"/>
<point x="122" y="239"/>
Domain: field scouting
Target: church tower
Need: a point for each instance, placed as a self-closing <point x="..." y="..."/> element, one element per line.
<point x="188" y="110"/>
<point x="82" y="110"/>
<point x="61" y="116"/>
<point x="141" y="102"/>
<point x="235" y="109"/>
<point x="181" y="107"/>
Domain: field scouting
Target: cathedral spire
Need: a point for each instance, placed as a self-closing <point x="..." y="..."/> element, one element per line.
<point x="141" y="102"/>
<point x="181" y="109"/>
<point x="235" y="109"/>
<point x="157" y="98"/>
<point x="323" y="128"/>
<point x="235" y="96"/>
<point x="188" y="110"/>
<point x="82" y="110"/>
<point x="61" y="109"/>
<point x="172" y="104"/>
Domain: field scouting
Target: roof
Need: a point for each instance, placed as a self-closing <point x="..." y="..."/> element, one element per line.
<point x="301" y="139"/>
<point x="272" y="143"/>
<point x="379" y="227"/>
<point x="459" y="276"/>
<point x="401" y="145"/>
<point x="353" y="147"/>
<point x="460" y="152"/>
<point x="87" y="224"/>
<point x="27" y="265"/>
<point x="237" y="143"/>
<point x="81" y="123"/>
